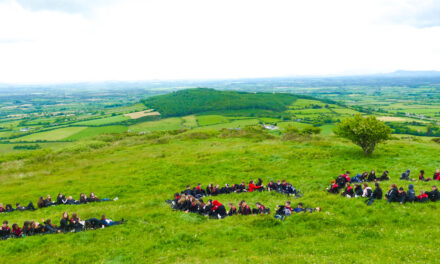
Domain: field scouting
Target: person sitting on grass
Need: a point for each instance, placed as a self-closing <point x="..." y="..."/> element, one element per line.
<point x="261" y="209"/>
<point x="75" y="223"/>
<point x="334" y="188"/>
<point x="71" y="201"/>
<point x="437" y="175"/>
<point x="26" y="228"/>
<point x="391" y="195"/>
<point x="340" y="181"/>
<point x="410" y="194"/>
<point x="5" y="230"/>
<point x="61" y="199"/>
<point x="108" y="222"/>
<point x="422" y="198"/>
<point x="348" y="192"/>
<point x="290" y="190"/>
<point x="233" y="210"/>
<point x="257" y="186"/>
<point x="271" y="186"/>
<point x="36" y="228"/>
<point x="422" y="176"/>
<point x="405" y="176"/>
<point x="377" y="193"/>
<point x="48" y="201"/>
<point x="283" y="210"/>
<point x="194" y="206"/>
<point x="41" y="203"/>
<point x="49" y="227"/>
<point x="244" y="208"/>
<point x="218" y="210"/>
<point x="65" y="223"/>
<point x="358" y="190"/>
<point x="401" y="195"/>
<point x="433" y="195"/>
<point x="371" y="176"/>
<point x="16" y="231"/>
<point x="368" y="192"/>
<point x="9" y="208"/>
<point x="83" y="198"/>
<point x="384" y="176"/>
<point x="347" y="176"/>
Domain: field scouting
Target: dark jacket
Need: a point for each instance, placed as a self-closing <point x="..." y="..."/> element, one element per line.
<point x="377" y="194"/>
<point x="411" y="194"/>
<point x="433" y="195"/>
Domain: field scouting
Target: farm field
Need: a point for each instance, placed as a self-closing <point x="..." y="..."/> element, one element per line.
<point x="51" y="135"/>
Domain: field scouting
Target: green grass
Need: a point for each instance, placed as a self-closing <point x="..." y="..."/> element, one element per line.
<point x="173" y="123"/>
<point x="189" y="121"/>
<point x="233" y="124"/>
<point x="327" y="129"/>
<point x="52" y="135"/>
<point x="94" y="131"/>
<point x="144" y="171"/>
<point x="207" y="120"/>
<point x="103" y="121"/>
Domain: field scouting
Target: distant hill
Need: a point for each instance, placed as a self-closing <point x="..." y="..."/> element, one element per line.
<point x="192" y="101"/>
<point x="413" y="74"/>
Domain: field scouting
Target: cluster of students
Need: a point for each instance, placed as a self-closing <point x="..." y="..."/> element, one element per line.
<point x="283" y="187"/>
<point x="393" y="195"/>
<point x="214" y="209"/>
<point x="399" y="195"/>
<point x="46" y="202"/>
<point x="67" y="224"/>
<point x="340" y="182"/>
<point x="61" y="199"/>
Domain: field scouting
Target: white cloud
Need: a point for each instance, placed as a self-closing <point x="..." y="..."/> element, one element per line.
<point x="173" y="39"/>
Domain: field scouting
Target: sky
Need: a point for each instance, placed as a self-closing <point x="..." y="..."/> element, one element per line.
<point x="49" y="41"/>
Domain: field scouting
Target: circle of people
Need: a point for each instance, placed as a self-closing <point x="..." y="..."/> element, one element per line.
<point x="67" y="224"/>
<point x="191" y="200"/>
<point x="344" y="183"/>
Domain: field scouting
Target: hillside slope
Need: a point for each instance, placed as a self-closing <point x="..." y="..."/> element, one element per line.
<point x="144" y="170"/>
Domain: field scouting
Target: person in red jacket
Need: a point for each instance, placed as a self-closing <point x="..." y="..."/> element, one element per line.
<point x="253" y="187"/>
<point x="423" y="197"/>
<point x="437" y="175"/>
<point x="218" y="210"/>
<point x="16" y="230"/>
<point x="244" y="209"/>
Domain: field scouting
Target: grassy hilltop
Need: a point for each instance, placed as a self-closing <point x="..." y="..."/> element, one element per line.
<point x="144" y="169"/>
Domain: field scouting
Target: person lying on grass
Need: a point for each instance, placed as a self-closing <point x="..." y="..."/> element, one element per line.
<point x="61" y="199"/>
<point x="286" y="210"/>
<point x="18" y="207"/>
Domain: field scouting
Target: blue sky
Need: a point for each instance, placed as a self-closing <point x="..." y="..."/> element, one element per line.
<point x="62" y="40"/>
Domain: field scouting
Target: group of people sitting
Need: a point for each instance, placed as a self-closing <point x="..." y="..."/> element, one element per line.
<point x="283" y="187"/>
<point x="61" y="199"/>
<point x="190" y="200"/>
<point x="214" y="209"/>
<point x="67" y="224"/>
<point x="341" y="181"/>
<point x="393" y="195"/>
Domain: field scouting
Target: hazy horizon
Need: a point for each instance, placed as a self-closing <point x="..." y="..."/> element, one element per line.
<point x="69" y="41"/>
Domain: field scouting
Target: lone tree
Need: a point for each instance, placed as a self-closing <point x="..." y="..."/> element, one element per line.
<point x="365" y="132"/>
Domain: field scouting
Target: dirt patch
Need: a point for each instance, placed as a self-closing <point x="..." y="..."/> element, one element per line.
<point x="140" y="114"/>
<point x="391" y="119"/>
